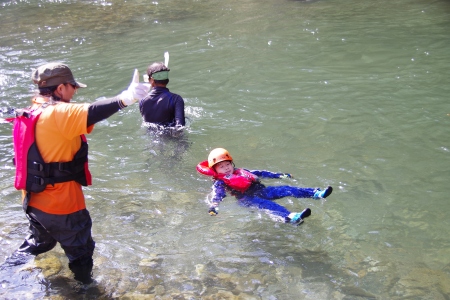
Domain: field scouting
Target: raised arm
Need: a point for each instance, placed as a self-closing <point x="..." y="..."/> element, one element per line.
<point x="268" y="174"/>
<point x="103" y="109"/>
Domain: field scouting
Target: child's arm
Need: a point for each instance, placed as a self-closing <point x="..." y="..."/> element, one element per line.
<point x="219" y="192"/>
<point x="268" y="174"/>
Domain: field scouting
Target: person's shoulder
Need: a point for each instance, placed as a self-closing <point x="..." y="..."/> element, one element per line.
<point x="177" y="95"/>
<point x="70" y="108"/>
<point x="68" y="105"/>
<point x="146" y="98"/>
<point x="179" y="99"/>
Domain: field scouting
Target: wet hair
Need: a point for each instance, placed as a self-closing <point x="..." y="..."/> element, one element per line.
<point x="155" y="68"/>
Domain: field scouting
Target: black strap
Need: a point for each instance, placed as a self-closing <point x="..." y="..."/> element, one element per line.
<point x="25" y="201"/>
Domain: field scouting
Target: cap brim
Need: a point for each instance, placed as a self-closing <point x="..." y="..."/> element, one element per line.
<point x="80" y="85"/>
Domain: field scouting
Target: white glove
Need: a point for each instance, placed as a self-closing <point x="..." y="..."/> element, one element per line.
<point x="136" y="91"/>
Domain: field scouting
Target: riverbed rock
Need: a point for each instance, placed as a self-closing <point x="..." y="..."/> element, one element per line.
<point x="422" y="283"/>
<point x="48" y="263"/>
<point x="199" y="269"/>
<point x="160" y="290"/>
<point x="221" y="295"/>
<point x="136" y="296"/>
<point x="244" y="296"/>
<point x="153" y="261"/>
<point x="248" y="283"/>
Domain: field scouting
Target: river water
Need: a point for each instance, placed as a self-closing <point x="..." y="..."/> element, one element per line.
<point x="352" y="94"/>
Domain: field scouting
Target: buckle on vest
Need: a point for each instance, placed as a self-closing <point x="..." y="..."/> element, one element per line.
<point x="22" y="113"/>
<point x="37" y="166"/>
<point x="39" y="180"/>
<point x="63" y="167"/>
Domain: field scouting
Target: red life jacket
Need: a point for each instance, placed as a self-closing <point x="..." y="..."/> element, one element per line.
<point x="33" y="174"/>
<point x="240" y="180"/>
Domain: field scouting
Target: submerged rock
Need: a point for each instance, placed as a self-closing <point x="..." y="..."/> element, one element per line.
<point x="424" y="284"/>
<point x="48" y="263"/>
<point x="221" y="295"/>
<point x="248" y="283"/>
<point x="152" y="261"/>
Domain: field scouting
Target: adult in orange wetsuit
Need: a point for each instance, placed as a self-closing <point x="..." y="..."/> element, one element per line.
<point x="58" y="213"/>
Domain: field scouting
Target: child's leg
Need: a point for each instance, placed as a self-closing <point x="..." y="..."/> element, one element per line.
<point x="275" y="209"/>
<point x="277" y="192"/>
<point x="272" y="207"/>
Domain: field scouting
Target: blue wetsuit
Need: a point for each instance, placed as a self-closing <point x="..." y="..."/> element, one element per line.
<point x="260" y="196"/>
<point x="162" y="108"/>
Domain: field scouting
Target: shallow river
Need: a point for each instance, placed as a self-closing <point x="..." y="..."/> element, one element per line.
<point x="352" y="94"/>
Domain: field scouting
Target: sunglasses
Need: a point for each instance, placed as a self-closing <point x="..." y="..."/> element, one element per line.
<point x="73" y="85"/>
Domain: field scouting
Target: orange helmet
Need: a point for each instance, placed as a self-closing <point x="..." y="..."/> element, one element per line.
<point x="217" y="155"/>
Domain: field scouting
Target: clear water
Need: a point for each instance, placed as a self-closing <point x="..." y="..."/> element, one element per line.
<point x="353" y="94"/>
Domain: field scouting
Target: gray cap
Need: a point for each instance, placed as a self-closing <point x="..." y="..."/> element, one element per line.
<point x="53" y="74"/>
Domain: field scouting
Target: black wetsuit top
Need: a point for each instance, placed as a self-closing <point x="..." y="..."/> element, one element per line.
<point x="163" y="107"/>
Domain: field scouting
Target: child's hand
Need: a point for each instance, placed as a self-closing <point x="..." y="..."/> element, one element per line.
<point x="213" y="211"/>
<point x="285" y="175"/>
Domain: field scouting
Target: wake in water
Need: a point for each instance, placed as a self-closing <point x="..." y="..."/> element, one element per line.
<point x="169" y="144"/>
<point x="159" y="130"/>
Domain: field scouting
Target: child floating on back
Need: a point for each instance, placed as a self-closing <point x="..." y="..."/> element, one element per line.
<point x="245" y="185"/>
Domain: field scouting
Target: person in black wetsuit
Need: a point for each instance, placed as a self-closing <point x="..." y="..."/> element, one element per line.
<point x="161" y="107"/>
